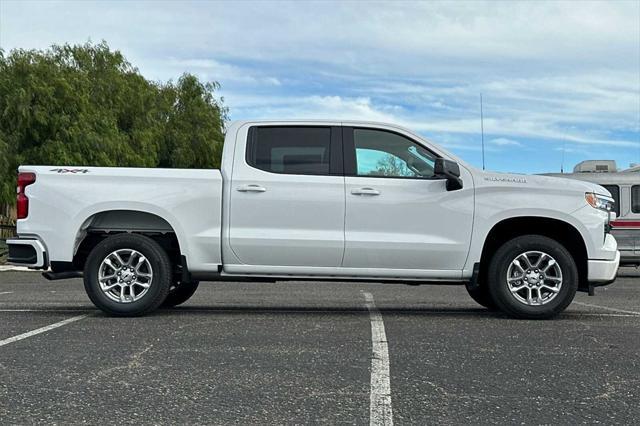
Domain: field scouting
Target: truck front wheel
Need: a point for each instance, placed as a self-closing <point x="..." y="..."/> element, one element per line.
<point x="127" y="275"/>
<point x="532" y="277"/>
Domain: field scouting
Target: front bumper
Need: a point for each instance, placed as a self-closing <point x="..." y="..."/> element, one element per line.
<point x="603" y="271"/>
<point x="27" y="252"/>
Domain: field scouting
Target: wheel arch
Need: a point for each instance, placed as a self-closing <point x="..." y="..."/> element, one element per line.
<point x="104" y="223"/>
<point x="556" y="229"/>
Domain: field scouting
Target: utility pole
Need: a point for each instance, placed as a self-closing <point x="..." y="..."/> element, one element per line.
<point x="482" y="131"/>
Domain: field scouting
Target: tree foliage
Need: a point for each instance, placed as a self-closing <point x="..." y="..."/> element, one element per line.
<point x="86" y="105"/>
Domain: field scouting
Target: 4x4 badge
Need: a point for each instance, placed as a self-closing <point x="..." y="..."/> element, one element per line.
<point x="70" y="170"/>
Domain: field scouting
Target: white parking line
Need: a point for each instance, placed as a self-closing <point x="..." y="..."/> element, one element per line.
<point x="5" y="268"/>
<point x="6" y="292"/>
<point x="608" y="309"/>
<point x="380" y="412"/>
<point x="41" y="330"/>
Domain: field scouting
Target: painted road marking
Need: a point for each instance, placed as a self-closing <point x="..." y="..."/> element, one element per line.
<point x="380" y="412"/>
<point x="623" y="311"/>
<point x="41" y="330"/>
<point x="5" y="268"/>
<point x="6" y="292"/>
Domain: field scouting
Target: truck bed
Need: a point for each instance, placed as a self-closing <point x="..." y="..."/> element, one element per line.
<point x="66" y="202"/>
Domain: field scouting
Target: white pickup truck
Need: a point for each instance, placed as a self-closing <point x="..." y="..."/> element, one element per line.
<point x="320" y="200"/>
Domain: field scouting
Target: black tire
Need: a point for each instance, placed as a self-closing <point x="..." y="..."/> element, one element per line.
<point x="159" y="284"/>
<point x="503" y="258"/>
<point x="480" y="294"/>
<point x="180" y="293"/>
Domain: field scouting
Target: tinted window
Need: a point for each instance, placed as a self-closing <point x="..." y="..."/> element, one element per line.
<point x="386" y="154"/>
<point x="292" y="150"/>
<point x="615" y="193"/>
<point x="635" y="198"/>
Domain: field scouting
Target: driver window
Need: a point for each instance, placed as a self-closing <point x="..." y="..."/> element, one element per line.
<point x="385" y="154"/>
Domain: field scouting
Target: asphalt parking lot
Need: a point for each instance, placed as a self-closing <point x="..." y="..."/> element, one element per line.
<point x="298" y="353"/>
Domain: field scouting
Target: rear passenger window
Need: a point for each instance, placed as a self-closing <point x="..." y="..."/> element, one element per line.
<point x="291" y="150"/>
<point x="635" y="198"/>
<point x="615" y="193"/>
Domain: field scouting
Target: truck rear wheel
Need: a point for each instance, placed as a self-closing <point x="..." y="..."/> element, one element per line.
<point x="532" y="277"/>
<point x="127" y="275"/>
<point x="180" y="293"/>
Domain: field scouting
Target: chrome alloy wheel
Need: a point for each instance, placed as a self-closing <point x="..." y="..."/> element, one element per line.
<point x="534" y="278"/>
<point x="125" y="275"/>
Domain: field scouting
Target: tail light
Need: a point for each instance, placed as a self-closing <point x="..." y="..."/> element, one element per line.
<point x="24" y="180"/>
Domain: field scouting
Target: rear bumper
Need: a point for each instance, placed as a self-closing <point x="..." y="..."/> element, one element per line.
<point x="27" y="252"/>
<point x="603" y="271"/>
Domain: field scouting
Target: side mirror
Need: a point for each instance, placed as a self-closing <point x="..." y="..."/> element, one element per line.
<point x="449" y="170"/>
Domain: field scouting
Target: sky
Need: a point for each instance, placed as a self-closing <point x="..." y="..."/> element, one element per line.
<point x="559" y="80"/>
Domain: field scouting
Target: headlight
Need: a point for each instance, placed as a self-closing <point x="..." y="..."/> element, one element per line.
<point x="598" y="201"/>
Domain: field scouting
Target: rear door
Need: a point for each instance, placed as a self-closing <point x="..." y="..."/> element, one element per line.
<point x="287" y="198"/>
<point x="398" y="216"/>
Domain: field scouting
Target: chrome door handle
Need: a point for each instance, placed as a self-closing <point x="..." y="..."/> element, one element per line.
<point x="251" y="188"/>
<point x="365" y="191"/>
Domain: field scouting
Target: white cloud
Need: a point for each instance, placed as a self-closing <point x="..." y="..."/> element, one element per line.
<point x="504" y="142"/>
<point x="211" y="69"/>
<point x="409" y="38"/>
<point x="321" y="107"/>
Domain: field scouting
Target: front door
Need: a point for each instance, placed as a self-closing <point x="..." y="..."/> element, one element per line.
<point x="397" y="215"/>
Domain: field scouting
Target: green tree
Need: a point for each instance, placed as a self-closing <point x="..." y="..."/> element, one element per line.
<point x="194" y="126"/>
<point x="86" y="105"/>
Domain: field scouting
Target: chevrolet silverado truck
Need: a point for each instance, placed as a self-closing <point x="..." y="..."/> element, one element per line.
<point x="322" y="201"/>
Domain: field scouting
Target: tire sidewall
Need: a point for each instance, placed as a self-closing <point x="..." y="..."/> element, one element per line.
<point x="158" y="260"/>
<point x="498" y="277"/>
